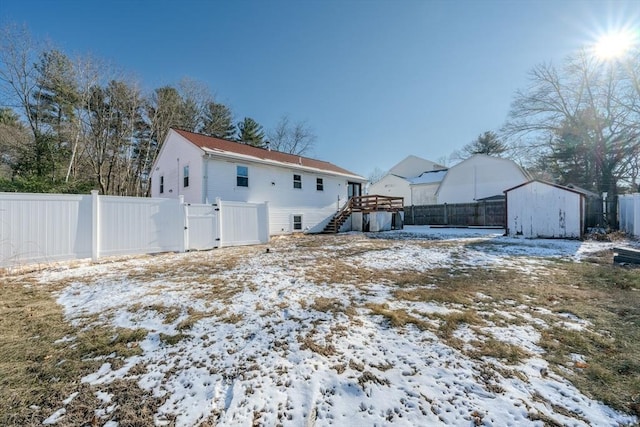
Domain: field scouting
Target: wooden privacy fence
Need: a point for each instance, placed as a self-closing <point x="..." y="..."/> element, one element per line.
<point x="36" y="228"/>
<point x="484" y="213"/>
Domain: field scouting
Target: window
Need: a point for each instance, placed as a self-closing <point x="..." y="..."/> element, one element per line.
<point x="319" y="184"/>
<point x="242" y="176"/>
<point x="297" y="222"/>
<point x="162" y="184"/>
<point x="185" y="174"/>
<point x="297" y="181"/>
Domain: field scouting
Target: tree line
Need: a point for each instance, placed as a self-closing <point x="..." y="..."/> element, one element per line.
<point x="71" y="124"/>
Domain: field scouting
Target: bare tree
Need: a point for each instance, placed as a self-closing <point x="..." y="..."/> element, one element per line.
<point x="294" y="138"/>
<point x="574" y="117"/>
<point x="376" y="175"/>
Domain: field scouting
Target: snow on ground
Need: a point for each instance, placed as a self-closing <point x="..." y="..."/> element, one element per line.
<point x="265" y="349"/>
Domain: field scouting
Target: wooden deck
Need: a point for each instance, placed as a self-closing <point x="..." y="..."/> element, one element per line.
<point x="364" y="204"/>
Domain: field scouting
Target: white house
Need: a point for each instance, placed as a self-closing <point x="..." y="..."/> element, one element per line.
<point x="414" y="178"/>
<point x="302" y="193"/>
<point x="541" y="209"/>
<point x="479" y="177"/>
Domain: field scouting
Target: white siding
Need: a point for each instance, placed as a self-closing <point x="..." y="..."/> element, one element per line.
<point x="392" y="186"/>
<point x="423" y="194"/>
<point x="176" y="153"/>
<point x="479" y="177"/>
<point x="541" y="210"/>
<point x="275" y="185"/>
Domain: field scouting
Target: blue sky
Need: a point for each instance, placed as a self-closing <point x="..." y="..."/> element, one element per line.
<point x="375" y="80"/>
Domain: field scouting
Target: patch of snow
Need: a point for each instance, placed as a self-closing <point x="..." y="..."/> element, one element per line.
<point x="55" y="417"/>
<point x="284" y="360"/>
<point x="70" y="398"/>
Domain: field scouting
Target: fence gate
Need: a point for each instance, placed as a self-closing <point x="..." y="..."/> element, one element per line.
<point x="202" y="226"/>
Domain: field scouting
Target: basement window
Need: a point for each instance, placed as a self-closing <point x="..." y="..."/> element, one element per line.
<point x="297" y="223"/>
<point x="162" y="184"/>
<point x="297" y="181"/>
<point x="242" y="176"/>
<point x="185" y="175"/>
<point x="319" y="184"/>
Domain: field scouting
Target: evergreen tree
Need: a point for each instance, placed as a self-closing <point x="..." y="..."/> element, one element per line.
<point x="250" y="132"/>
<point x="487" y="143"/>
<point x="218" y="121"/>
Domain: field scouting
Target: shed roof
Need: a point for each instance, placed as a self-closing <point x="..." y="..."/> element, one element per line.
<point x="212" y="144"/>
<point x="561" y="187"/>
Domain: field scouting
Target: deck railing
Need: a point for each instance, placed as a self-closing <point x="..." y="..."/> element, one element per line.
<point x="373" y="203"/>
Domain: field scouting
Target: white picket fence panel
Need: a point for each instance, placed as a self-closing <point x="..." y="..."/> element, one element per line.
<point x="629" y="213"/>
<point x="41" y="228"/>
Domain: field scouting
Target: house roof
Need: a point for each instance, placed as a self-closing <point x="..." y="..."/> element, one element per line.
<point x="216" y="145"/>
<point x="412" y="166"/>
<point x="429" y="177"/>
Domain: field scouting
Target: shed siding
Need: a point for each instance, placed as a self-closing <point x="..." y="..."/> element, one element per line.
<point x="540" y="210"/>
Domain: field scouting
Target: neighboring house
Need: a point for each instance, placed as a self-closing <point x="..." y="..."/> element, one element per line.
<point x="302" y="193"/>
<point x="541" y="209"/>
<point x="479" y="177"/>
<point x="424" y="187"/>
<point x="415" y="179"/>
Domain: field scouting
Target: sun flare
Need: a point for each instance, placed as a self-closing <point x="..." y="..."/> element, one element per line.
<point x="614" y="45"/>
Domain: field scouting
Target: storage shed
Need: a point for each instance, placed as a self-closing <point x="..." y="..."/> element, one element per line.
<point x="542" y="209"/>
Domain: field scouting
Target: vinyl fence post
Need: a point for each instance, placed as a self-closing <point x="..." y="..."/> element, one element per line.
<point x="184" y="223"/>
<point x="266" y="233"/>
<point x="95" y="225"/>
<point x="220" y="219"/>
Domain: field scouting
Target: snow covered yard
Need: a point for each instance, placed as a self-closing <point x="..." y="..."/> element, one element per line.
<point x="415" y="327"/>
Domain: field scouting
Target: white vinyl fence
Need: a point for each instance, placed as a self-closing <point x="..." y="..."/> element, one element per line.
<point x="629" y="212"/>
<point x="37" y="228"/>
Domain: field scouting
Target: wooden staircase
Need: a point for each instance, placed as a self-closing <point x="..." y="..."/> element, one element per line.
<point x="339" y="218"/>
<point x="364" y="204"/>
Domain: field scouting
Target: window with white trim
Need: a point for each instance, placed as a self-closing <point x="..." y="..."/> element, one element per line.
<point x="185" y="176"/>
<point x="297" y="181"/>
<point x="319" y="184"/>
<point x="242" y="176"/>
<point x="161" y="184"/>
<point x="297" y="223"/>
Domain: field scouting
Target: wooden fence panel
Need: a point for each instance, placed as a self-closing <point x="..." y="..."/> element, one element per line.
<point x="492" y="213"/>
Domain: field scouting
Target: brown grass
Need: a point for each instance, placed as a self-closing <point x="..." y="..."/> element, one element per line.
<point x="34" y="371"/>
<point x="509" y="353"/>
<point x="36" y="375"/>
<point x="397" y="317"/>
<point x="452" y="321"/>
